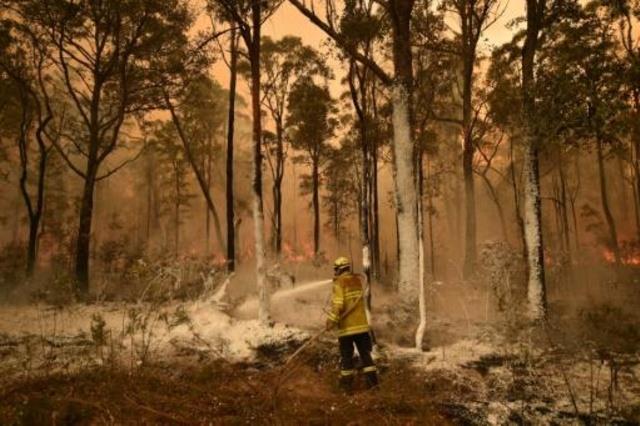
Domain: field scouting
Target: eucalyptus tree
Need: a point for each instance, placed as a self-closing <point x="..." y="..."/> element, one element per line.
<point x="203" y="110"/>
<point x="397" y="16"/>
<point x="340" y="177"/>
<point x="536" y="11"/>
<point x="24" y="63"/>
<point x="113" y="57"/>
<point x="627" y="15"/>
<point x="473" y="18"/>
<point x="363" y="29"/>
<point x="311" y="121"/>
<point x="282" y="63"/>
<point x="172" y="171"/>
<point x="582" y="60"/>
<point x="248" y="17"/>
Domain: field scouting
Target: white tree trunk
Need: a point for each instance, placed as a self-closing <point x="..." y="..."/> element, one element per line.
<point x="533" y="235"/>
<point x="366" y="266"/>
<point x="405" y="195"/>
<point x="261" y="281"/>
<point x="422" y="303"/>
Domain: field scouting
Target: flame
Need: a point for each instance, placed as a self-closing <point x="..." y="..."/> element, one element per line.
<point x="297" y="256"/>
<point x="629" y="257"/>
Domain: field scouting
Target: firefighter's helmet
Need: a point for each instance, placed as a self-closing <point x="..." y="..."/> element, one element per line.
<point x="341" y="264"/>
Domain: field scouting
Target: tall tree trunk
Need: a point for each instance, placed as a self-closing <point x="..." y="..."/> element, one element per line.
<point x="277" y="187"/>
<point x="565" y="214"/>
<point x="315" y="177"/>
<point x="604" y="198"/>
<point x="84" y="230"/>
<point x="376" y="195"/>
<point x="231" y="253"/>
<point x="432" y="238"/>
<point x="536" y="288"/>
<point x="376" y="212"/>
<point x="149" y="184"/>
<point x="206" y="211"/>
<point x="196" y="170"/>
<point x="636" y="162"/>
<point x="403" y="151"/>
<point x="572" y="200"/>
<point x="176" y="223"/>
<point x="359" y="101"/>
<point x="258" y="212"/>
<point x="467" y="168"/>
<point x="422" y="303"/>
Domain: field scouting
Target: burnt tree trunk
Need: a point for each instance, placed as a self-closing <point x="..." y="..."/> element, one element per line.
<point x="277" y="186"/>
<point x="536" y="288"/>
<point x="84" y="228"/>
<point x="467" y="168"/>
<point x="252" y="40"/>
<point x="315" y="177"/>
<point x="231" y="253"/>
<point x="604" y="198"/>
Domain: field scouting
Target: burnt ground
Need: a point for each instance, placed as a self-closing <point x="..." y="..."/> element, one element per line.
<point x="439" y="387"/>
<point x="217" y="392"/>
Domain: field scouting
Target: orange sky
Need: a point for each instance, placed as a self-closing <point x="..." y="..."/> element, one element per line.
<point x="288" y="21"/>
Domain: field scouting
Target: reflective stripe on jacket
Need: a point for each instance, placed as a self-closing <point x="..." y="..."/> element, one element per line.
<point x="347" y="297"/>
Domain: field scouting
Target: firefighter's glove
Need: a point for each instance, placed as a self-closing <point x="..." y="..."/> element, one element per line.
<point x="330" y="325"/>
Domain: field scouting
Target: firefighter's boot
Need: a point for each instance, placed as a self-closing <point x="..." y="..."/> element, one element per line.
<point x="371" y="377"/>
<point x="346" y="383"/>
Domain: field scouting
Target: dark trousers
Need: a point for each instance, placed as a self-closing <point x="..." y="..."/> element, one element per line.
<point x="362" y="341"/>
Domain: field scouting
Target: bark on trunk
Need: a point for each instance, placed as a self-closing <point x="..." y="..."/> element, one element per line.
<point x="206" y="210"/>
<point x="536" y="288"/>
<point x="84" y="232"/>
<point x="258" y="213"/>
<point x="315" y="175"/>
<point x="604" y="198"/>
<point x="403" y="152"/>
<point x="467" y="168"/>
<point x="422" y="303"/>
<point x="231" y="253"/>
<point x="565" y="214"/>
<point x="176" y="223"/>
<point x="277" y="187"/>
<point x="376" y="214"/>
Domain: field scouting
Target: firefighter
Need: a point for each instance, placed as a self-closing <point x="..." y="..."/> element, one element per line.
<point x="349" y="316"/>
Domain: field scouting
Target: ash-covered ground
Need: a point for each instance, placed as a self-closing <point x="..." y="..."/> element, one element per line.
<point x="209" y="361"/>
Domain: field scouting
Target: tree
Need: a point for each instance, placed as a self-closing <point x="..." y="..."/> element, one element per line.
<point x="311" y="125"/>
<point x="474" y="18"/>
<point x="536" y="288"/>
<point x="282" y="62"/>
<point x="585" y="56"/>
<point x="363" y="28"/>
<point x="248" y="16"/>
<point x="398" y="15"/>
<point x="173" y="174"/>
<point x="114" y="56"/>
<point x="203" y="115"/>
<point x="24" y="62"/>
<point x="233" y="74"/>
<point x="340" y="182"/>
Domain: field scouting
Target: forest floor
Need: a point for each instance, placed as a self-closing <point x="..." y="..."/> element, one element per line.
<point x="190" y="363"/>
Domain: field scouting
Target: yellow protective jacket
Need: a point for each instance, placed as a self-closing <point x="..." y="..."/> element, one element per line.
<point x="347" y="305"/>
